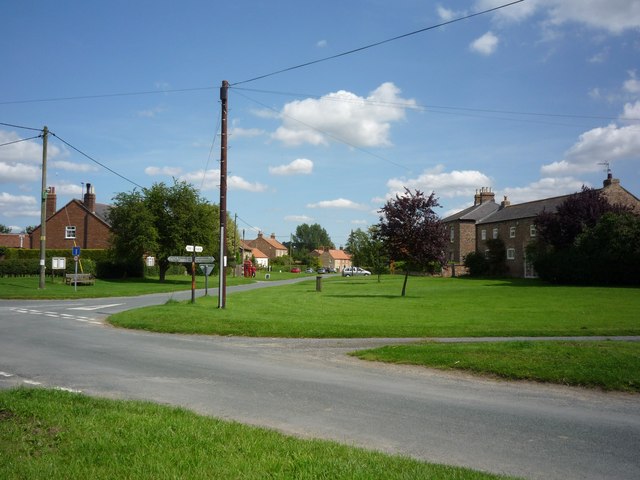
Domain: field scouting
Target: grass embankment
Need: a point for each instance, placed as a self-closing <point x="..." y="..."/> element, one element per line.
<point x="53" y="434"/>
<point x="433" y="307"/>
<point x="604" y="365"/>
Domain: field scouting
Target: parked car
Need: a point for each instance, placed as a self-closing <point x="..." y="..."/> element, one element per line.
<point x="309" y="270"/>
<point x="322" y="270"/>
<point x="329" y="270"/>
<point x="353" y="271"/>
<point x="295" y="270"/>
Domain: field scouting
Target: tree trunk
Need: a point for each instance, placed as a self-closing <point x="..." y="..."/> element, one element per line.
<point x="163" y="267"/>
<point x="404" y="285"/>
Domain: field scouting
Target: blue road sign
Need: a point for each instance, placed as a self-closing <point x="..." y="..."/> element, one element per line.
<point x="75" y="251"/>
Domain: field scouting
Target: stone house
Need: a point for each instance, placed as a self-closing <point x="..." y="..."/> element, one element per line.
<point x="79" y="223"/>
<point x="334" y="259"/>
<point x="513" y="224"/>
<point x="270" y="246"/>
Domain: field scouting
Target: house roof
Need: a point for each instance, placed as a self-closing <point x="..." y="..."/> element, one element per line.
<point x="274" y="243"/>
<point x="335" y="254"/>
<point x="524" y="210"/>
<point x="474" y="213"/>
<point x="258" y="254"/>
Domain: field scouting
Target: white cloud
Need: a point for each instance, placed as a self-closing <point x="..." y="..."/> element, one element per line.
<point x="597" y="146"/>
<point x="614" y="16"/>
<point x="238" y="132"/>
<point x="300" y="166"/>
<point x="485" y="45"/>
<point x="168" y="171"/>
<point x="544" y="188"/>
<point x="338" y="203"/>
<point x="321" y="44"/>
<point x="18" y="205"/>
<point x="360" y="222"/>
<point x="73" y="167"/>
<point x="344" y="116"/>
<point x="631" y="111"/>
<point x="444" y="184"/>
<point x="151" y="112"/>
<point x="18" y="173"/>
<point x="212" y="181"/>
<point x="298" y="218"/>
<point x="632" y="84"/>
<point x="445" y="14"/>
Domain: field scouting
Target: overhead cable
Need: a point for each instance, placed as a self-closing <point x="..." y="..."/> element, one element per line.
<point x="96" y="161"/>
<point x="20" y="126"/>
<point x="376" y="44"/>
<point x="18" y="141"/>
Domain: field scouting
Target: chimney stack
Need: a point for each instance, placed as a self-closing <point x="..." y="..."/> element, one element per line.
<point x="483" y="195"/>
<point x="90" y="199"/>
<point x="505" y="202"/>
<point x="51" y="202"/>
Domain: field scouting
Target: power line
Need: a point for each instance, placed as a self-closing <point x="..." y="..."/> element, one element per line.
<point x="20" y="126"/>
<point x="376" y="44"/>
<point x="429" y="108"/>
<point x="105" y="95"/>
<point x="96" y="161"/>
<point x="18" y="141"/>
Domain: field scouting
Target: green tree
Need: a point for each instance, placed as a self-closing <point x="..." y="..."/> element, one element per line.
<point x="161" y="220"/>
<point x="310" y="237"/>
<point x="411" y="231"/>
<point x="367" y="250"/>
<point x="4" y="229"/>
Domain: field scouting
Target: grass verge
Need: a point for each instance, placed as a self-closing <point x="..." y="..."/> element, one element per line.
<point x="52" y="434"/>
<point x="608" y="365"/>
<point x="433" y="307"/>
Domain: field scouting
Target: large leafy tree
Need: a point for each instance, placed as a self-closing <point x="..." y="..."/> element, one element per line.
<point x="411" y="231"/>
<point x="367" y="250"/>
<point x="309" y="237"/>
<point x="161" y="221"/>
<point x="4" y="229"/>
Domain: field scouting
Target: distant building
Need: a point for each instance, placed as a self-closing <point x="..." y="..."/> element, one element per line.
<point x="79" y="223"/>
<point x="14" y="240"/>
<point x="268" y="245"/>
<point x="470" y="229"/>
<point x="334" y="259"/>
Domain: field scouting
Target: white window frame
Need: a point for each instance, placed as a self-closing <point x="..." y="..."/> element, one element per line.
<point x="483" y="234"/>
<point x="512" y="232"/>
<point x="511" y="253"/>
<point x="70" y="232"/>
<point x="495" y="233"/>
<point x="532" y="230"/>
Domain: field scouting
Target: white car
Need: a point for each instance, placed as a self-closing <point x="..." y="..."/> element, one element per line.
<point x="349" y="271"/>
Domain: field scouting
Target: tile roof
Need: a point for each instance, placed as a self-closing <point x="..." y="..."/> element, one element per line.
<point x="524" y="210"/>
<point x="474" y="213"/>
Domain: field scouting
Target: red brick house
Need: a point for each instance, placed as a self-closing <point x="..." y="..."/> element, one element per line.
<point x="79" y="223"/>
<point x="513" y="224"/>
<point x="270" y="246"/>
<point x="334" y="259"/>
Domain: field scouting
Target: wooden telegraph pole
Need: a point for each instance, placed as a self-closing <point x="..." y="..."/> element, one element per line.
<point x="43" y="210"/>
<point x="222" y="290"/>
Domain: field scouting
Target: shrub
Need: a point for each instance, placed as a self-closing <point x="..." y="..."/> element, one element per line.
<point x="476" y="264"/>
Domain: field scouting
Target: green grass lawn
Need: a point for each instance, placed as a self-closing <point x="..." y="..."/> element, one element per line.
<point x="610" y="365"/>
<point x="27" y="287"/>
<point x="52" y="434"/>
<point x="433" y="307"/>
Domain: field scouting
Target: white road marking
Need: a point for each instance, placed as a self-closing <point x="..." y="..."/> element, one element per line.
<point x="5" y="374"/>
<point x="65" y="389"/>
<point x="96" y="307"/>
<point x="31" y="382"/>
<point x="65" y="316"/>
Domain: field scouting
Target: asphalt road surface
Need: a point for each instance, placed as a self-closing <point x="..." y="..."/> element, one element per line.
<point x="311" y="388"/>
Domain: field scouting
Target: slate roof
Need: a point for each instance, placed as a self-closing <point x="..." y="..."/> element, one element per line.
<point x="474" y="213"/>
<point x="524" y="210"/>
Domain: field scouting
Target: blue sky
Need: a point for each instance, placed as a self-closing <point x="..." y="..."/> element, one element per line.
<point x="530" y="100"/>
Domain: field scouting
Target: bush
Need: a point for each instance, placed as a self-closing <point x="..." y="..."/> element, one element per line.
<point x="476" y="264"/>
<point x="116" y="269"/>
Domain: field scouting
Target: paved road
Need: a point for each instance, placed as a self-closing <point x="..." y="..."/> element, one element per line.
<point x="312" y="389"/>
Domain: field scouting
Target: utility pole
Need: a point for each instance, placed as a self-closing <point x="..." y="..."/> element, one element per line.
<point x="43" y="210"/>
<point x="222" y="289"/>
<point x="235" y="248"/>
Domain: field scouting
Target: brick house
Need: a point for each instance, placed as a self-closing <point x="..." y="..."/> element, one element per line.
<point x="270" y="246"/>
<point x="261" y="258"/>
<point x="514" y="224"/>
<point x="14" y="240"/>
<point x="79" y="223"/>
<point x="334" y="259"/>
